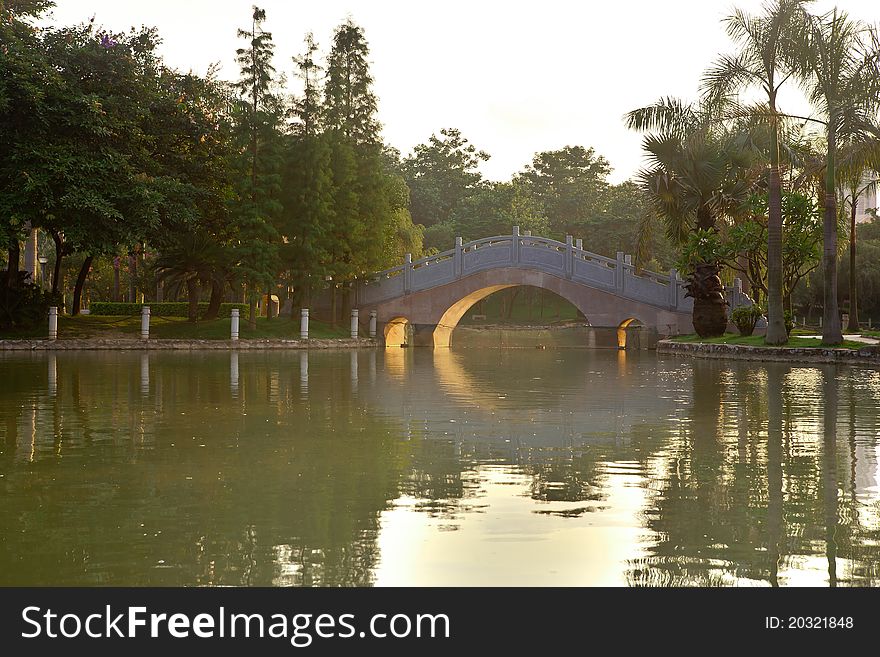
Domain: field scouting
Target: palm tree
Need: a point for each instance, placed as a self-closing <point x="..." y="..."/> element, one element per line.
<point x="699" y="175"/>
<point x="194" y="260"/>
<point x="763" y="60"/>
<point x="839" y="64"/>
<point x="858" y="164"/>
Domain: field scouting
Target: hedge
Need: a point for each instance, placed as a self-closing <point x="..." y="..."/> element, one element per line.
<point x="160" y="309"/>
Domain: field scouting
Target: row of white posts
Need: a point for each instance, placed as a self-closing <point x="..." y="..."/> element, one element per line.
<point x="234" y="324"/>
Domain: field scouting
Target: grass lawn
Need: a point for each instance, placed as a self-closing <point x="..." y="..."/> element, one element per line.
<point x="94" y="326"/>
<point x="758" y="341"/>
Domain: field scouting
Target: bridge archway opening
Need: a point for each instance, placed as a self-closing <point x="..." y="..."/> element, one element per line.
<point x="397" y="332"/>
<point x="622" y="330"/>
<point x="506" y="304"/>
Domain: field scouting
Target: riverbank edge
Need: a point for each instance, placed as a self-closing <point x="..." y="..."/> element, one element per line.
<point x="110" y="344"/>
<point x="831" y="355"/>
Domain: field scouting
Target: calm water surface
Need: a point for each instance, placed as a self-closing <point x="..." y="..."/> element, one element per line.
<point x="421" y="467"/>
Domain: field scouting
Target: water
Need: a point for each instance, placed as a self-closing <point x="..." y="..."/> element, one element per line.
<point x="421" y="467"/>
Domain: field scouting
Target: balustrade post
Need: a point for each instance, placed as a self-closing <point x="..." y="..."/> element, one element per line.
<point x="457" y="258"/>
<point x="673" y="288"/>
<point x="569" y="256"/>
<point x="618" y="272"/>
<point x="514" y="248"/>
<point x="579" y="244"/>
<point x="407" y="273"/>
<point x="373" y="315"/>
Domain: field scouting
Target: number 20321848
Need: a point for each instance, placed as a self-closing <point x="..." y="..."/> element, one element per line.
<point x="808" y="622"/>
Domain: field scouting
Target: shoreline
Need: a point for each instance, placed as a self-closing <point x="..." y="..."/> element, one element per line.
<point x="114" y="344"/>
<point x="823" y="355"/>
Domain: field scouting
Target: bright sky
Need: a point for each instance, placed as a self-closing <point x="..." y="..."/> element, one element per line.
<point x="515" y="77"/>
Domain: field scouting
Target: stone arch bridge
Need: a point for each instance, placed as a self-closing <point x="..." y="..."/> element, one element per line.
<point x="431" y="295"/>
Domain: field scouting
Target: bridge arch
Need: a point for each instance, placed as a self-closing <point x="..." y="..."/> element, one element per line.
<point x="396" y="331"/>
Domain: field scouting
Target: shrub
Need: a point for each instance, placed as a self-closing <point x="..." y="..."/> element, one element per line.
<point x="160" y="308"/>
<point x="22" y="305"/>
<point x="789" y="321"/>
<point x="745" y="318"/>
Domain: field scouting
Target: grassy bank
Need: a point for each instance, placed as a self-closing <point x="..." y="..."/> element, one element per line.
<point x="93" y="326"/>
<point x="758" y="341"/>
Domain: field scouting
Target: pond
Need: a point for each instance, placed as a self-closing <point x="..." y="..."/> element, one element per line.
<point x="435" y="467"/>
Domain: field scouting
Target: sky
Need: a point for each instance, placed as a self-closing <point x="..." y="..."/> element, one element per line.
<point x="515" y="77"/>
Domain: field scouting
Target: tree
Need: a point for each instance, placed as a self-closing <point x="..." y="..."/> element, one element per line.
<point x="442" y="175"/>
<point x="350" y="105"/>
<point x="859" y="163"/>
<point x="195" y="259"/>
<point x="570" y="185"/>
<point x="763" y="60"/>
<point x="840" y="68"/>
<point x="698" y="177"/>
<point x="258" y="118"/>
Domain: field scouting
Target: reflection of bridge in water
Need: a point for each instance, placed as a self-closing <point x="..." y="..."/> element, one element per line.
<point x="426" y="299"/>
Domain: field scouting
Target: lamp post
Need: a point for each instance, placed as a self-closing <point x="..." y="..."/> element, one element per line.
<point x="43" y="260"/>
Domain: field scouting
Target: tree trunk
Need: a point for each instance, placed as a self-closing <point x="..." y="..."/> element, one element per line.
<point x="252" y="310"/>
<point x="831" y="333"/>
<point x="132" y="277"/>
<point x="214" y="304"/>
<point x="80" y="282"/>
<point x="12" y="265"/>
<point x="192" y="296"/>
<point x="269" y="302"/>
<point x="776" y="333"/>
<point x="59" y="255"/>
<point x="333" y="307"/>
<point x="116" y="296"/>
<point x="853" y="300"/>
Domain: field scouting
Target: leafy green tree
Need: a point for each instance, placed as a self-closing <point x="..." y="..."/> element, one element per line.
<point x="569" y="184"/>
<point x="763" y="60"/>
<point x="442" y="175"/>
<point x="746" y="245"/>
<point x="840" y="67"/>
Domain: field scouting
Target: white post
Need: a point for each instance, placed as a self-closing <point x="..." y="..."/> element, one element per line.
<point x="354" y="323"/>
<point x="579" y="244"/>
<point x="373" y="316"/>
<point x="628" y="259"/>
<point x="145" y="323"/>
<point x="235" y="317"/>
<point x="53" y="323"/>
<point x="304" y="324"/>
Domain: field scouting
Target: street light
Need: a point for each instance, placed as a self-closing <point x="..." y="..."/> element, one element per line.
<point x="43" y="260"/>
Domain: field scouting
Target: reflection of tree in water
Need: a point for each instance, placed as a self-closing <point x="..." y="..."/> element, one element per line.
<point x="200" y="488"/>
<point x="759" y="500"/>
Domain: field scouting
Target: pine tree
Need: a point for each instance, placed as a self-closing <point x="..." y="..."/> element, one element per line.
<point x="259" y="118"/>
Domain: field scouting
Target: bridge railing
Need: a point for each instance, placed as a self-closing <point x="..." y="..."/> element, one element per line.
<point x="564" y="259"/>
